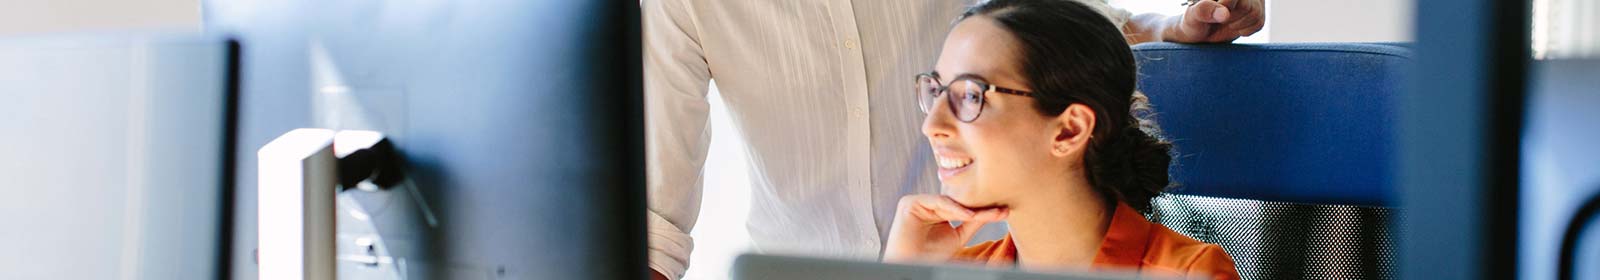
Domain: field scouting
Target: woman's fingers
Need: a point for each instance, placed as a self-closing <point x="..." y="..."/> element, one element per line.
<point x="970" y="227"/>
<point x="937" y="208"/>
<point x="967" y="229"/>
<point x="934" y="209"/>
<point x="991" y="214"/>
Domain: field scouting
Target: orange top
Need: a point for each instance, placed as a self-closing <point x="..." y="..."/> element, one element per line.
<point x="1132" y="243"/>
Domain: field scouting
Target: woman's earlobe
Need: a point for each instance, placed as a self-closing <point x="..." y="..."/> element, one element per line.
<point x="1062" y="144"/>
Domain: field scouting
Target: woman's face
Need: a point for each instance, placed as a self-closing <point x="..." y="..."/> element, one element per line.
<point x="987" y="162"/>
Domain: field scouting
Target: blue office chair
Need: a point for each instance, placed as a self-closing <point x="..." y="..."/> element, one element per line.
<point x="1285" y="152"/>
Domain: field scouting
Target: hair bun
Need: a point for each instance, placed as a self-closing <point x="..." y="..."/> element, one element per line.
<point x="1134" y="163"/>
<point x="1149" y="158"/>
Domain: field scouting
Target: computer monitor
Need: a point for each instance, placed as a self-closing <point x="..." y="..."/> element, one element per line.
<point x="520" y="123"/>
<point x="116" y="156"/>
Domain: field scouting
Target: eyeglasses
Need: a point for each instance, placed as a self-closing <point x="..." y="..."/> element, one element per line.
<point x="968" y="102"/>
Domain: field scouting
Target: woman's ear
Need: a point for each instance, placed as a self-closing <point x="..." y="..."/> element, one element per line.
<point x="1077" y="127"/>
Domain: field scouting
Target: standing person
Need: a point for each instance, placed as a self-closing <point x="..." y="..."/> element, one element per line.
<point x="817" y="91"/>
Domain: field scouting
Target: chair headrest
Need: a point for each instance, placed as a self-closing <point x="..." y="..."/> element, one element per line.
<point x="1305" y="123"/>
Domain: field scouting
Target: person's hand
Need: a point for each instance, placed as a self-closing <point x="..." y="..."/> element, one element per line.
<point x="1219" y="21"/>
<point x="657" y="275"/>
<point x="922" y="231"/>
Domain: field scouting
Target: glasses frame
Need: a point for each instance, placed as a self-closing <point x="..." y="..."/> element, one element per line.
<point x="944" y="90"/>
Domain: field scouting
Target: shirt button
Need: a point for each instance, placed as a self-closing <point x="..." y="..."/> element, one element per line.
<point x="856" y="111"/>
<point x="850" y="44"/>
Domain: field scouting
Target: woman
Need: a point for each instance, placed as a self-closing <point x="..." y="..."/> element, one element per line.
<point x="1033" y="119"/>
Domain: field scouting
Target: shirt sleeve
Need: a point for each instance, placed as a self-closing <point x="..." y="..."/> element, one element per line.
<point x="676" y="78"/>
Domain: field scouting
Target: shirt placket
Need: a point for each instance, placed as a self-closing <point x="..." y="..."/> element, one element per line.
<point x="858" y="126"/>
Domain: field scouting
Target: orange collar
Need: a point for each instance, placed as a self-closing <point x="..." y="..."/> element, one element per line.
<point x="1126" y="239"/>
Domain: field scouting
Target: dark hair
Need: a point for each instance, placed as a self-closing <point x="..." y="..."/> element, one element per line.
<point x="1072" y="54"/>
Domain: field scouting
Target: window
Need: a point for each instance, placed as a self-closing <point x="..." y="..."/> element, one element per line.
<point x="1566" y="29"/>
<point x="719" y="233"/>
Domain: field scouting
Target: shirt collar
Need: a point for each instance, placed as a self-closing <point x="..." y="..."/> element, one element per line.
<point x="1125" y="241"/>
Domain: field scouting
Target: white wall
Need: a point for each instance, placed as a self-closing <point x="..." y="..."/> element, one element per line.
<point x="1340" y="20"/>
<point x="20" y="17"/>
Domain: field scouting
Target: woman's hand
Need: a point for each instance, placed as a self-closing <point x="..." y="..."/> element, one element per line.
<point x="922" y="231"/>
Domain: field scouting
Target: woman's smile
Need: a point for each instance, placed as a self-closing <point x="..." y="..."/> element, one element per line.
<point x="951" y="163"/>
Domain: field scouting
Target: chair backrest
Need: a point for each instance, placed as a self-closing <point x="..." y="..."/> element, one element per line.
<point x="1285" y="152"/>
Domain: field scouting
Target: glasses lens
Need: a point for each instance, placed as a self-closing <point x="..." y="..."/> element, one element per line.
<point x="927" y="92"/>
<point x="968" y="99"/>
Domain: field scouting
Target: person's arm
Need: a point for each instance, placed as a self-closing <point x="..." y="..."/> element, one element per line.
<point x="1205" y="21"/>
<point x="676" y="78"/>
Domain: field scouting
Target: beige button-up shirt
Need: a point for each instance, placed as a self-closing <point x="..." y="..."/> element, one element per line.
<point x="821" y="90"/>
